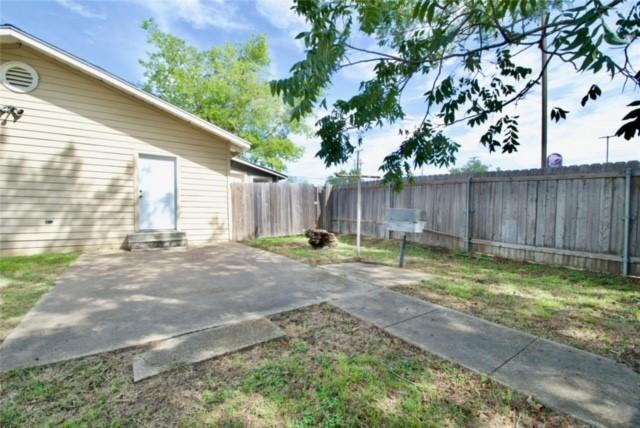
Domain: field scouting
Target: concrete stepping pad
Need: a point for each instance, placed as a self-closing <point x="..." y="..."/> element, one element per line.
<point x="203" y="345"/>
<point x="379" y="275"/>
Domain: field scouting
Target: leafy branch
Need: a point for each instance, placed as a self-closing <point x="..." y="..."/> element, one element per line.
<point x="466" y="50"/>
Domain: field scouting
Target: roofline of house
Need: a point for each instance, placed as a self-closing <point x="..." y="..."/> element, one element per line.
<point x="118" y="83"/>
<point x="270" y="171"/>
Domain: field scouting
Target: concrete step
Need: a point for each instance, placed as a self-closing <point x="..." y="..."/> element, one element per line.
<point x="203" y="345"/>
<point x="151" y="240"/>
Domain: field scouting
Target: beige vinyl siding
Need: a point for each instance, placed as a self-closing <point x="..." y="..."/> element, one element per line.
<point x="73" y="157"/>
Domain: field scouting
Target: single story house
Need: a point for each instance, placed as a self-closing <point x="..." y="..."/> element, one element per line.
<point x="89" y="161"/>
<point x="243" y="171"/>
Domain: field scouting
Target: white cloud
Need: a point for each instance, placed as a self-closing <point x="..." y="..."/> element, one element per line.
<point x="359" y="72"/>
<point x="80" y="9"/>
<point x="309" y="167"/>
<point x="199" y="13"/>
<point x="280" y="15"/>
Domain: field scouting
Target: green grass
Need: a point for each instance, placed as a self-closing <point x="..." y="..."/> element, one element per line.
<point x="595" y="312"/>
<point x="23" y="280"/>
<point x="331" y="371"/>
<point x="342" y="390"/>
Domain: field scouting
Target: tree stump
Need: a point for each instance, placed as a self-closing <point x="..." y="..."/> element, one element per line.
<point x="320" y="238"/>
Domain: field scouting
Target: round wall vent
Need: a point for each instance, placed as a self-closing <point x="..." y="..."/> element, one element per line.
<point x="18" y="77"/>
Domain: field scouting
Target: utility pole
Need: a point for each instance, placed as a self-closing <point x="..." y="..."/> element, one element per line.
<point x="358" y="178"/>
<point x="543" y="47"/>
<point x="607" y="138"/>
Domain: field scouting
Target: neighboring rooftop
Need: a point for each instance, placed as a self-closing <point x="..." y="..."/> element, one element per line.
<point x="262" y="170"/>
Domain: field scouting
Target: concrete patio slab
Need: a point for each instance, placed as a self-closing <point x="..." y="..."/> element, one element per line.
<point x="383" y="308"/>
<point x="111" y="301"/>
<point x="203" y="345"/>
<point x="595" y="389"/>
<point x="374" y="274"/>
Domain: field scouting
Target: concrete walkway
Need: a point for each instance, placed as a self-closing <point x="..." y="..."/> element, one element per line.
<point x="378" y="275"/>
<point x="110" y="301"/>
<point x="591" y="388"/>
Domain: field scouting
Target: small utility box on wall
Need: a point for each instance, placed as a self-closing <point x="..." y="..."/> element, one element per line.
<point x="406" y="220"/>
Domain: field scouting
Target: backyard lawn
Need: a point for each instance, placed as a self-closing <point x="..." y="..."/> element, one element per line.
<point x="596" y="312"/>
<point x="331" y="370"/>
<point x="23" y="280"/>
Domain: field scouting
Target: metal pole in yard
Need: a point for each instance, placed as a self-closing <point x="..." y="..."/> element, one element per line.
<point x="402" y="247"/>
<point x="358" y="178"/>
<point x="358" y="202"/>
<point x="627" y="221"/>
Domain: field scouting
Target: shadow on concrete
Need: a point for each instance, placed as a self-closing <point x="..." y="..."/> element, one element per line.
<point x="111" y="301"/>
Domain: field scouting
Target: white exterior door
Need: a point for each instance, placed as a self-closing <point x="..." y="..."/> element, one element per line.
<point x="157" y="192"/>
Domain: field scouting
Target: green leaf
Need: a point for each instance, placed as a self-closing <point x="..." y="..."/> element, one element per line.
<point x="431" y="12"/>
<point x="406" y="41"/>
<point x="632" y="114"/>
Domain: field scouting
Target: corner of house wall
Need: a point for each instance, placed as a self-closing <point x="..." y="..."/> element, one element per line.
<point x="229" y="207"/>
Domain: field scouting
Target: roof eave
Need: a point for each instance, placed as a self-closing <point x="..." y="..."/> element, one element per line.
<point x="240" y="144"/>
<point x="261" y="168"/>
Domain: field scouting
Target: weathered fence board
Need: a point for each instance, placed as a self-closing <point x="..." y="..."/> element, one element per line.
<point x="272" y="209"/>
<point x="571" y="216"/>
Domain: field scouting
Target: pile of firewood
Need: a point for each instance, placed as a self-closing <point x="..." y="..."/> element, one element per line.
<point x="320" y="238"/>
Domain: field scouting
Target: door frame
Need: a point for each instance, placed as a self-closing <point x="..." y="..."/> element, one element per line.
<point x="136" y="196"/>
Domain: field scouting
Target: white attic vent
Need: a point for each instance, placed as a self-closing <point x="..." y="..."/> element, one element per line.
<point x="18" y="77"/>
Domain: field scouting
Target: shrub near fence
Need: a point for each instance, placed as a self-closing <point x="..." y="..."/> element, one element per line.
<point x="574" y="216"/>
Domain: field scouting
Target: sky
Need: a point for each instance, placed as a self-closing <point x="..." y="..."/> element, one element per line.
<point x="109" y="34"/>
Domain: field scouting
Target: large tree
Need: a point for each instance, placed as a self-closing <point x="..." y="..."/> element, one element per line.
<point x="471" y="54"/>
<point x="226" y="85"/>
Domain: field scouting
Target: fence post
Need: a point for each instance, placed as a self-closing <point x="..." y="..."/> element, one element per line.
<point x="317" y="212"/>
<point x="627" y="222"/>
<point x="387" y="233"/>
<point x="467" y="219"/>
<point x="325" y="213"/>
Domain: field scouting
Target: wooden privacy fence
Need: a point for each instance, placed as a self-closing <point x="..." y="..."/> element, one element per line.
<point x="273" y="209"/>
<point x="585" y="217"/>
